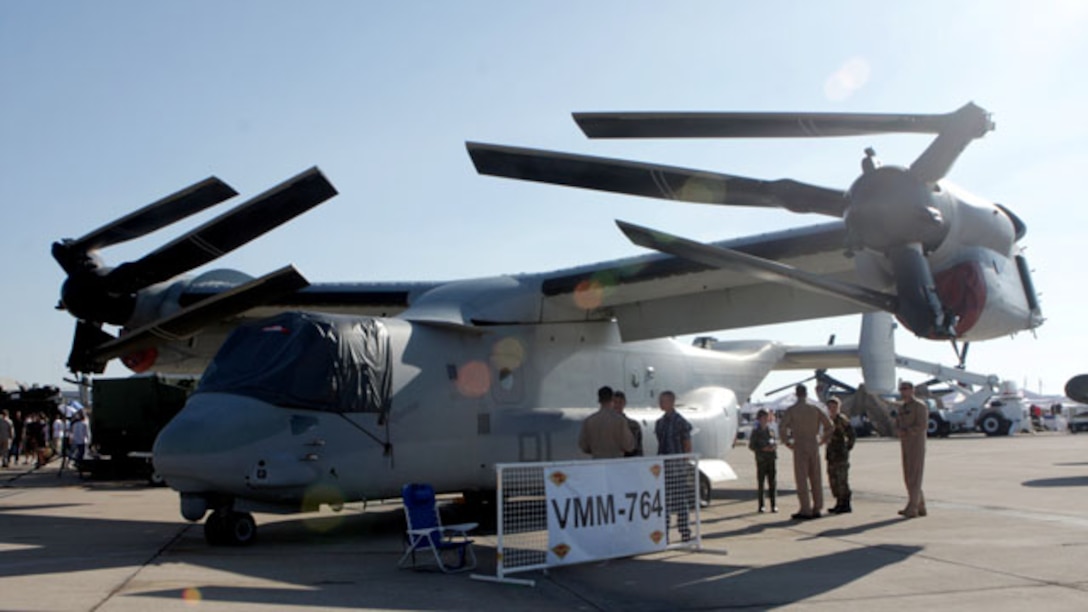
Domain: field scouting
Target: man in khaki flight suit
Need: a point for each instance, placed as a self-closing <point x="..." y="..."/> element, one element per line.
<point x="604" y="433"/>
<point x="800" y="428"/>
<point x="911" y="421"/>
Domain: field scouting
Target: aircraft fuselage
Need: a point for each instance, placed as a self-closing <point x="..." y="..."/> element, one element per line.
<point x="461" y="402"/>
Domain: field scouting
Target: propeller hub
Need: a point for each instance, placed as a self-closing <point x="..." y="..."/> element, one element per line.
<point x="87" y="298"/>
<point x="889" y="207"/>
<point x="74" y="260"/>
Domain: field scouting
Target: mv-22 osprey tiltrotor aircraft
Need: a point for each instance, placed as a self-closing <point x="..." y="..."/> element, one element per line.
<point x="350" y="390"/>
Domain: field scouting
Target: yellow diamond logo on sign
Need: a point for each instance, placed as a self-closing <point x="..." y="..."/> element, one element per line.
<point x="655" y="469"/>
<point x="656" y="536"/>
<point x="558" y="478"/>
<point x="561" y="550"/>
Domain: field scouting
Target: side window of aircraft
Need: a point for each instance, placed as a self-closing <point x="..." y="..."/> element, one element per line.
<point x="506" y="379"/>
<point x="509" y="387"/>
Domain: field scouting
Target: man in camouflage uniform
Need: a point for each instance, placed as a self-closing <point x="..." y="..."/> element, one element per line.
<point x="838" y="457"/>
<point x="762" y="442"/>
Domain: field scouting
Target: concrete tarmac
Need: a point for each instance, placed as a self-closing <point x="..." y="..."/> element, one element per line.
<point x="1007" y="530"/>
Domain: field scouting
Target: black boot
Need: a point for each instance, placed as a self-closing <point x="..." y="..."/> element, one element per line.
<point x="844" y="507"/>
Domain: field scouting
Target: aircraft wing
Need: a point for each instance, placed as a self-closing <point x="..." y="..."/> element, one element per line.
<point x="661" y="295"/>
<point x="782" y="276"/>
<point x="365" y="299"/>
<point x="650" y="296"/>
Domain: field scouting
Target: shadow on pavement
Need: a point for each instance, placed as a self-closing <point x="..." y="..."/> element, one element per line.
<point x="349" y="560"/>
<point x="1068" y="481"/>
<point x="648" y="584"/>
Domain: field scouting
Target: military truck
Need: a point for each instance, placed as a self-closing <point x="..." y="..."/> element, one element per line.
<point x="35" y="399"/>
<point x="126" y="416"/>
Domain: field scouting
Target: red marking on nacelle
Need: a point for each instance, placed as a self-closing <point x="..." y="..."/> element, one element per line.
<point x="962" y="289"/>
<point x="140" y="361"/>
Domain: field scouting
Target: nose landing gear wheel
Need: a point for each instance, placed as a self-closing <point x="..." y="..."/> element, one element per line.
<point x="230" y="528"/>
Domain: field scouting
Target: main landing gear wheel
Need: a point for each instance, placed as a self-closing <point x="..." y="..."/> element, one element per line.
<point x="224" y="528"/>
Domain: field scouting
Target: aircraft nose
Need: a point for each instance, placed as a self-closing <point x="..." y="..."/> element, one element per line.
<point x="207" y="442"/>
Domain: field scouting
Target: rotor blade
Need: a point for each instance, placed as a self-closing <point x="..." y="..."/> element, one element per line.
<point x="755" y="125"/>
<point x="764" y="269"/>
<point x="652" y="180"/>
<point x="188" y="321"/>
<point x="963" y="126"/>
<point x="157" y="215"/>
<point x="226" y="232"/>
<point x="86" y="338"/>
<point x="787" y="386"/>
<point x="829" y="380"/>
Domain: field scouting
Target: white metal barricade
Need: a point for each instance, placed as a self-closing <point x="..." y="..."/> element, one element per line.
<point x="528" y="492"/>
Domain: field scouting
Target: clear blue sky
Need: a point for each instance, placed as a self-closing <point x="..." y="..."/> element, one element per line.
<point x="105" y="106"/>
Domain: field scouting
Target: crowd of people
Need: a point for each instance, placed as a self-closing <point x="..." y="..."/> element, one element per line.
<point x="34" y="438"/>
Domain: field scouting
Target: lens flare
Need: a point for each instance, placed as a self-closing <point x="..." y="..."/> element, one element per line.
<point x="696" y="190"/>
<point x="473" y="379"/>
<point x="191" y="596"/>
<point x="323" y="523"/>
<point x="315" y="496"/>
<point x="850" y="77"/>
<point x="508" y="354"/>
<point x="590" y="293"/>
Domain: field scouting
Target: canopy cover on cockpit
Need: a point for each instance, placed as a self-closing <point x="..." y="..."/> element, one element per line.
<point x="306" y="360"/>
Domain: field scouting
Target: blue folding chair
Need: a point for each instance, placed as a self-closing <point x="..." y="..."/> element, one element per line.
<point x="426" y="531"/>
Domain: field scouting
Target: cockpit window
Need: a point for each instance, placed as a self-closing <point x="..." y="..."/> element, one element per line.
<point x="306" y="360"/>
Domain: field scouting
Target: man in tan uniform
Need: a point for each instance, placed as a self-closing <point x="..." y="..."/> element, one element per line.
<point x="911" y="421"/>
<point x="800" y="428"/>
<point x="604" y="433"/>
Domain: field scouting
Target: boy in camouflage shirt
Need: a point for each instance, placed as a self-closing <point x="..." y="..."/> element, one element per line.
<point x="762" y="443"/>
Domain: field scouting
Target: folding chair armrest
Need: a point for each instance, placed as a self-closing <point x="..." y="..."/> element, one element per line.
<point x="461" y="527"/>
<point x="420" y="532"/>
